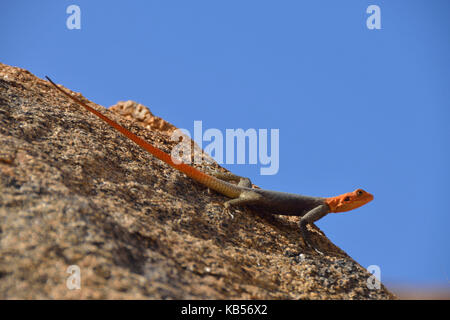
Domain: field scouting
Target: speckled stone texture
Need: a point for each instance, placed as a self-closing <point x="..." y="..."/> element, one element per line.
<point x="75" y="192"/>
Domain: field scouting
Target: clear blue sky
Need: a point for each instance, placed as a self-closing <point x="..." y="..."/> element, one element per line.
<point x="355" y="107"/>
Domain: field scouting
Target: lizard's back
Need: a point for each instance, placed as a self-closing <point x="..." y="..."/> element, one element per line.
<point x="276" y="202"/>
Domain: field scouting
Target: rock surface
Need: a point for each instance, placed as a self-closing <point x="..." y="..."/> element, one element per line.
<point x="75" y="192"/>
<point x="140" y="114"/>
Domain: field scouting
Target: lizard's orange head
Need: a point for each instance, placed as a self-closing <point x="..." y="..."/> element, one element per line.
<point x="349" y="201"/>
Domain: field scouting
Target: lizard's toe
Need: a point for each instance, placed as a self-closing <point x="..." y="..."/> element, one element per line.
<point x="312" y="247"/>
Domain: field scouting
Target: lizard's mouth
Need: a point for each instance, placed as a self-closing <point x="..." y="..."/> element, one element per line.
<point x="369" y="197"/>
<point x="360" y="202"/>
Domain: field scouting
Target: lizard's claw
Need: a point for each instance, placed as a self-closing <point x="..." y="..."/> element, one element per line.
<point x="312" y="247"/>
<point x="318" y="251"/>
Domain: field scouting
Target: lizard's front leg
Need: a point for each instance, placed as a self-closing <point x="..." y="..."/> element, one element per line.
<point x="310" y="217"/>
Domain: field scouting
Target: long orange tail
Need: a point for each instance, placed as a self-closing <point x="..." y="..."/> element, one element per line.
<point x="222" y="187"/>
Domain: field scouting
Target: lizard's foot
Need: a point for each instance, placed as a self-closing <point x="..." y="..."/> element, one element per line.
<point x="318" y="251"/>
<point x="308" y="243"/>
<point x="312" y="247"/>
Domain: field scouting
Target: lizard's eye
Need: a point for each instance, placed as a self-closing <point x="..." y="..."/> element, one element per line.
<point x="359" y="192"/>
<point x="347" y="199"/>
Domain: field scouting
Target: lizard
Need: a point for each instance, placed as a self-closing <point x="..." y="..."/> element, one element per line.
<point x="309" y="208"/>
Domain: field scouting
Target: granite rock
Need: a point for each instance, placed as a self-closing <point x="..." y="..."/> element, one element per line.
<point x="73" y="192"/>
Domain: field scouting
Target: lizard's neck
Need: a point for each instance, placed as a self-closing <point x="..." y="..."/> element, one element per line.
<point x="334" y="203"/>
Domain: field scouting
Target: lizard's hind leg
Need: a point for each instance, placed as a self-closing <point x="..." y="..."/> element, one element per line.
<point x="246" y="198"/>
<point x="228" y="176"/>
